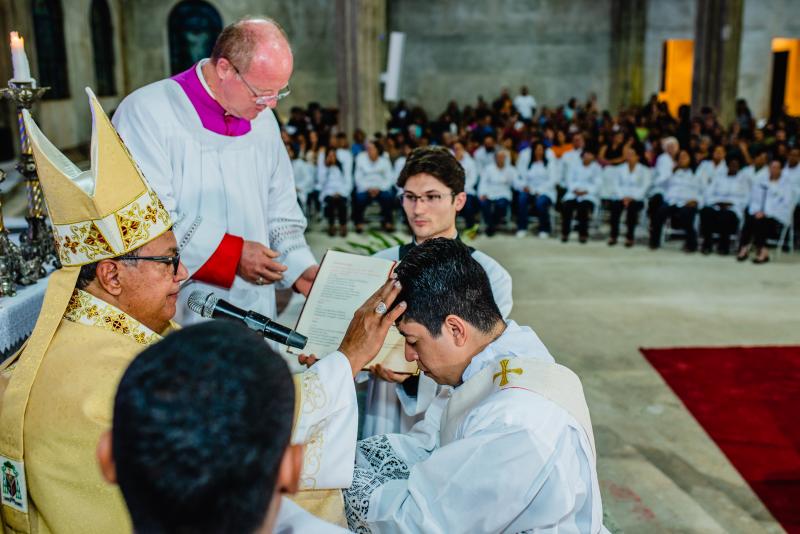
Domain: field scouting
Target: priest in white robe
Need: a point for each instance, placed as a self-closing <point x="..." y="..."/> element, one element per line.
<point x="213" y="152"/>
<point x="433" y="182"/>
<point x="508" y="447"/>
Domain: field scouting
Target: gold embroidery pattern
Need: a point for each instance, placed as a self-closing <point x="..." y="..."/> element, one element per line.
<point x="87" y="309"/>
<point x="130" y="227"/>
<point x="86" y="240"/>
<point x="131" y="224"/>
<point x="504" y="372"/>
<point x="312" y="456"/>
<point x="314" y="396"/>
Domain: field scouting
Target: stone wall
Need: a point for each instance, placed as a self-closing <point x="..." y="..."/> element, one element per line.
<point x="308" y="23"/>
<point x="459" y="49"/>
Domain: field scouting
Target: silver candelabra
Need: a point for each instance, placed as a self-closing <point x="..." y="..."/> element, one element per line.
<point x="37" y="247"/>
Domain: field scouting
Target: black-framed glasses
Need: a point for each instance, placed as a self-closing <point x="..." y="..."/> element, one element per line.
<point x="175" y="260"/>
<point x="427" y="198"/>
<point x="261" y="100"/>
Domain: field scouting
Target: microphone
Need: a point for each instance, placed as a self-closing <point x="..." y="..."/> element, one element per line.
<point x="209" y="306"/>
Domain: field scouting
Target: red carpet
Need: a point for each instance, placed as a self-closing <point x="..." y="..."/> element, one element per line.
<point x="748" y="400"/>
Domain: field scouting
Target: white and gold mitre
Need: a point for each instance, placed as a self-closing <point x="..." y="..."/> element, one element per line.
<point x="101" y="213"/>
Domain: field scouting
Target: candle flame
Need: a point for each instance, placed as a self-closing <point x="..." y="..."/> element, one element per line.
<point x="16" y="40"/>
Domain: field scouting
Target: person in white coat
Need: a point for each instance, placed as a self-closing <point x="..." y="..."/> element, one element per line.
<point x="632" y="180"/>
<point x="582" y="184"/>
<point x="305" y="179"/>
<point x="682" y="197"/>
<point x="494" y="191"/>
<point x="725" y="200"/>
<point x="708" y="169"/>
<point x="432" y="183"/>
<point x="213" y="152"/>
<point x="334" y="188"/>
<point x="662" y="171"/>
<point x="507" y="445"/>
<point x="536" y="184"/>
<point x="472" y="204"/>
<point x="374" y="179"/>
<point x="772" y="202"/>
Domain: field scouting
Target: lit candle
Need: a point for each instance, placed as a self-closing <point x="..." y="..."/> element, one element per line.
<point x="22" y="71"/>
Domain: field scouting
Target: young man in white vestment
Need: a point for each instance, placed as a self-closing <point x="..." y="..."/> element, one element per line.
<point x="433" y="182"/>
<point x="212" y="150"/>
<point x="506" y="447"/>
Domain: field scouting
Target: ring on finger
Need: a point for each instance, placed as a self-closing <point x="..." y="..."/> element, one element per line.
<point x="259" y="281"/>
<point x="381" y="308"/>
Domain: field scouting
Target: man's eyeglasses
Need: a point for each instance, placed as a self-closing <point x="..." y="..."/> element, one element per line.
<point x="261" y="100"/>
<point x="427" y="198"/>
<point x="175" y="260"/>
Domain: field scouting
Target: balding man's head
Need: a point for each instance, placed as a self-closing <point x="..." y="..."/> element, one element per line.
<point x="253" y="61"/>
<point x="250" y="38"/>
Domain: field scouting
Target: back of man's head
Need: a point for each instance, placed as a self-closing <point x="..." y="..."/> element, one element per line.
<point x="440" y="278"/>
<point x="436" y="161"/>
<point x="201" y="423"/>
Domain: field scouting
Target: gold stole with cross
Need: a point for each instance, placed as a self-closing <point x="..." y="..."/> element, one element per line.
<point x="550" y="380"/>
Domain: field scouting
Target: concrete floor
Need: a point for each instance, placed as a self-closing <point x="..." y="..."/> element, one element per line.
<point x="594" y="307"/>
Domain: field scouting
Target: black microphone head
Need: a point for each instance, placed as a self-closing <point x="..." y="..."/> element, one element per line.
<point x="202" y="303"/>
<point x="296" y="340"/>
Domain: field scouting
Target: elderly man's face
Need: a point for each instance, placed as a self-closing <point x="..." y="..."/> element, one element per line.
<point x="267" y="76"/>
<point x="149" y="290"/>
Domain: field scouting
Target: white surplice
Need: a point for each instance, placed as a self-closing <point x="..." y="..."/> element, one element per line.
<point x="214" y="185"/>
<point x="488" y="457"/>
<point x="327" y="423"/>
<point x="388" y="407"/>
<point x="292" y="519"/>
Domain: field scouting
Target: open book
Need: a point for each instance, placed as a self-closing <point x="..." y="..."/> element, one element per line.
<point x="343" y="283"/>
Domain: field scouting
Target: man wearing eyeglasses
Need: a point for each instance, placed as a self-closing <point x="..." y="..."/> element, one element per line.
<point x="432" y="182"/>
<point x="211" y="147"/>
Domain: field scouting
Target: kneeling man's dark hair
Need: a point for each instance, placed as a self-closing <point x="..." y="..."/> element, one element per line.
<point x="201" y="423"/>
<point x="440" y="278"/>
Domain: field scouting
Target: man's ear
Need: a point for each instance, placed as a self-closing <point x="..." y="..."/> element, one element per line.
<point x="107" y="275"/>
<point x="105" y="458"/>
<point x="460" y="200"/>
<point x="455" y="327"/>
<point x="290" y="469"/>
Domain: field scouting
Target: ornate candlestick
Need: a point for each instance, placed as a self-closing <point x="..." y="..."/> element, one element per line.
<point x="37" y="247"/>
<point x="9" y="256"/>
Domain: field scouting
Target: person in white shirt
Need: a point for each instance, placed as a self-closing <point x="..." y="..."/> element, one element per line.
<point x="525" y="104"/>
<point x="472" y="204"/>
<point x="400" y="162"/>
<point x="374" y="179"/>
<point x="770" y="208"/>
<point x="344" y="155"/>
<point x="334" y="188"/>
<point x="709" y="169"/>
<point x="724" y="202"/>
<point x="792" y="172"/>
<point x="304" y="177"/>
<point x="632" y="182"/>
<point x="494" y="191"/>
<point x="507" y="446"/>
<point x="484" y="155"/>
<point x="662" y="171"/>
<point x="536" y="184"/>
<point x="683" y="194"/>
<point x="582" y="184"/>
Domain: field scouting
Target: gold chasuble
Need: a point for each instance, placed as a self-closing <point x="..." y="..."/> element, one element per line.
<point x="58" y="391"/>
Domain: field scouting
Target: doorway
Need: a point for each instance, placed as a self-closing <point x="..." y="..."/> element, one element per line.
<point x="677" y="64"/>
<point x="785" y="90"/>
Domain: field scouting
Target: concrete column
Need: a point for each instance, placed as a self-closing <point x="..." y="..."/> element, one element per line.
<point x="717" y="42"/>
<point x="360" y="27"/>
<point x="628" y="27"/>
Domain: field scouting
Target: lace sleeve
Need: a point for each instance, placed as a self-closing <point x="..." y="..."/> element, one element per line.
<point x="378" y="464"/>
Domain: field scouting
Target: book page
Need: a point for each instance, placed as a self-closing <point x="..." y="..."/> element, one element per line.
<point x="343" y="283"/>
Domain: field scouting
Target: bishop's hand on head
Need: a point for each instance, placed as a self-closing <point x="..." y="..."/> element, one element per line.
<point x="370" y="325"/>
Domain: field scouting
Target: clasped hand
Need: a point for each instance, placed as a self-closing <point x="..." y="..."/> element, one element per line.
<point x="257" y="264"/>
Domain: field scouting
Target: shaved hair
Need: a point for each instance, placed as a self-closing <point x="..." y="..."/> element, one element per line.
<point x="238" y="41"/>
